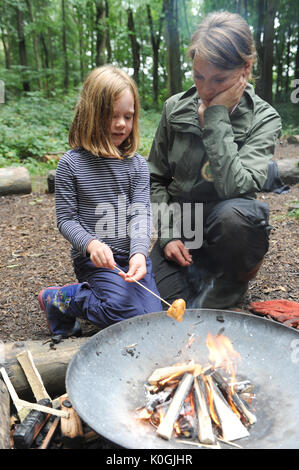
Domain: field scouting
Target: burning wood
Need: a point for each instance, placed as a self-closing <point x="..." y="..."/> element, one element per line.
<point x="165" y="428"/>
<point x="192" y="401"/>
<point x="205" y="431"/>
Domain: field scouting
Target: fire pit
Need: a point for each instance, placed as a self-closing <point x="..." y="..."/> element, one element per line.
<point x="105" y="379"/>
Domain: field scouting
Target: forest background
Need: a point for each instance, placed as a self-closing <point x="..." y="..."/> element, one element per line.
<point x="47" y="48"/>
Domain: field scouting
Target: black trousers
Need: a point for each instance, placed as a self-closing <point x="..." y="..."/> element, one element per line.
<point x="235" y="240"/>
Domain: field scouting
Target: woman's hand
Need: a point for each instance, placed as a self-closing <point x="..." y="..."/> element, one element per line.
<point x="230" y="97"/>
<point x="100" y="254"/>
<point x="177" y="252"/>
<point x="137" y="268"/>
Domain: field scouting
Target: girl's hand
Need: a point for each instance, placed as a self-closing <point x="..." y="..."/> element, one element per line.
<point x="100" y="254"/>
<point x="231" y="96"/>
<point x="177" y="252"/>
<point x="137" y="268"/>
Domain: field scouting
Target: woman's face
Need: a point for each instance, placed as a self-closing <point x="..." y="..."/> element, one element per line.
<point x="210" y="80"/>
<point x="123" y="118"/>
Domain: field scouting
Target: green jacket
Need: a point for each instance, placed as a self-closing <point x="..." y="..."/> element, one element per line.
<point x="227" y="159"/>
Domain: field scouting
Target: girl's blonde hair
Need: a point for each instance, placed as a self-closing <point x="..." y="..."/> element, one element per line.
<point x="94" y="111"/>
<point x="225" y="40"/>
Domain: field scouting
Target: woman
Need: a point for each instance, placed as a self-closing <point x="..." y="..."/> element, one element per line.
<point x="213" y="147"/>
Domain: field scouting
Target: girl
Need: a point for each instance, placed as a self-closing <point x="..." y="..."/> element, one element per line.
<point x="213" y="147"/>
<point x="103" y="209"/>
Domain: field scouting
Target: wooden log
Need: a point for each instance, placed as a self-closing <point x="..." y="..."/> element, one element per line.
<point x="231" y="426"/>
<point x="22" y="412"/>
<point x="14" y="181"/>
<point x="246" y="414"/>
<point x="205" y="430"/>
<point x="4" y="416"/>
<point x="33" y="376"/>
<point x="164" y="372"/>
<point x="165" y="428"/>
<point x="51" y="364"/>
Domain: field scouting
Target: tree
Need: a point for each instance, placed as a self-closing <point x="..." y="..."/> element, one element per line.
<point x="22" y="46"/>
<point x="173" y="47"/>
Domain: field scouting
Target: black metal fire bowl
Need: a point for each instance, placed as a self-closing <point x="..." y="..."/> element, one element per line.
<point x="105" y="379"/>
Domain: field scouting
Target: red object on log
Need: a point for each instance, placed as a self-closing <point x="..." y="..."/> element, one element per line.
<point x="284" y="311"/>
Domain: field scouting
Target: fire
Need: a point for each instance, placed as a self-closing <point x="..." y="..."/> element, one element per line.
<point x="223" y="355"/>
<point x="190" y="399"/>
<point x="143" y="413"/>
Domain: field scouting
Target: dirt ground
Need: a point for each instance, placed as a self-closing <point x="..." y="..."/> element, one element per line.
<point x="34" y="255"/>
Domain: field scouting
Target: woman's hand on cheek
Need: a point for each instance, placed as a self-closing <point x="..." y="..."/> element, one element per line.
<point x="100" y="254"/>
<point x="230" y="97"/>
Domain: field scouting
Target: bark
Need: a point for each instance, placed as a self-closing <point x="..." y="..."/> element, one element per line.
<point x="64" y="48"/>
<point x="22" y="47"/>
<point x="268" y="49"/>
<point x="156" y="41"/>
<point x="134" y="45"/>
<point x="35" y="43"/>
<point x="50" y="363"/>
<point x="4" y="416"/>
<point x="173" y="48"/>
<point x="101" y="36"/>
<point x="297" y="58"/>
<point x="260" y="47"/>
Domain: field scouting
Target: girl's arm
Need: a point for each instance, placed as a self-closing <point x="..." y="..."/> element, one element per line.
<point x="66" y="202"/>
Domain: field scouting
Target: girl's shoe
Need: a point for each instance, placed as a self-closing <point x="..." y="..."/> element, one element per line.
<point x="55" y="302"/>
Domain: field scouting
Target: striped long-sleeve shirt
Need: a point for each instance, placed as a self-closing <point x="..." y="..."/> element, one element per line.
<point x="105" y="199"/>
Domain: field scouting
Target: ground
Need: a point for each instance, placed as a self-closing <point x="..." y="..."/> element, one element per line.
<point x="34" y="255"/>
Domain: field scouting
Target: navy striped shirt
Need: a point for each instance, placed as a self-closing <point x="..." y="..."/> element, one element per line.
<point x="105" y="199"/>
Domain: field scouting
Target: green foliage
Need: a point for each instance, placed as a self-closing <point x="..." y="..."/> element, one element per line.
<point x="33" y="126"/>
<point x="290" y="117"/>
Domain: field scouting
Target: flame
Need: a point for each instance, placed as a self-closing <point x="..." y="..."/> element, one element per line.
<point x="222" y="352"/>
<point x="210" y="400"/>
<point x="144" y="413"/>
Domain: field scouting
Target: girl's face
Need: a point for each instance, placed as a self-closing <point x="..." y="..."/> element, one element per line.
<point x="123" y="118"/>
<point x="210" y="80"/>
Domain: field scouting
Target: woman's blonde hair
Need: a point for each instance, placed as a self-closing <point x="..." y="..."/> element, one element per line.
<point x="225" y="40"/>
<point x="92" y="122"/>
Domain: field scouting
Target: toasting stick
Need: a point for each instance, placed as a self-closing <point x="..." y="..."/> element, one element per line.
<point x="176" y="310"/>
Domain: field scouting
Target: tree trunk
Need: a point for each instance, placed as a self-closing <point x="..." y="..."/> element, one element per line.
<point x="173" y="48"/>
<point x="108" y="43"/>
<point x="100" y="28"/>
<point x="35" y="44"/>
<point x="64" y="48"/>
<point x="156" y="40"/>
<point x="51" y="364"/>
<point x="297" y="59"/>
<point x="135" y="45"/>
<point x="22" y="47"/>
<point x="260" y="48"/>
<point x="4" y="416"/>
<point x="268" y="49"/>
<point x="5" y="43"/>
<point x="288" y="52"/>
